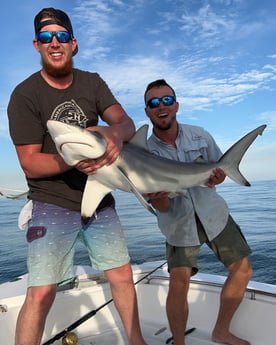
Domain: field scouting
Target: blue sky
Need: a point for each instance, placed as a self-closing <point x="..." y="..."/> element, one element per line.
<point x="219" y="55"/>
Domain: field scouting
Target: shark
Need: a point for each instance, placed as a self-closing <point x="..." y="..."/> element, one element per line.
<point x="137" y="170"/>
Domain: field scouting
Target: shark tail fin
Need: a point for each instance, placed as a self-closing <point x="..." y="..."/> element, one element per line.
<point x="231" y="159"/>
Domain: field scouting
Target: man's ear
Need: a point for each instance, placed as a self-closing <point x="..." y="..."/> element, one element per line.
<point x="74" y="46"/>
<point x="36" y="44"/>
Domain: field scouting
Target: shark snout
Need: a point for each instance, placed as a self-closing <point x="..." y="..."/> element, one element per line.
<point x="74" y="143"/>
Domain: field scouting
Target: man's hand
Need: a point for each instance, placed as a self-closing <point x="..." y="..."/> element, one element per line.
<point x="217" y="177"/>
<point x="121" y="129"/>
<point x="114" y="144"/>
<point x="157" y="195"/>
<point x="114" y="147"/>
<point x="159" y="200"/>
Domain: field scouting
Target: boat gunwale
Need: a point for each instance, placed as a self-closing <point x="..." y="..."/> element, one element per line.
<point x="253" y="290"/>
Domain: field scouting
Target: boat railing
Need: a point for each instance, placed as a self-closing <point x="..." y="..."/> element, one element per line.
<point x="253" y="289"/>
<point x="161" y="275"/>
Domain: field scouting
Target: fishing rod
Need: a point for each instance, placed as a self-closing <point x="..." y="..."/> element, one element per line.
<point x="73" y="338"/>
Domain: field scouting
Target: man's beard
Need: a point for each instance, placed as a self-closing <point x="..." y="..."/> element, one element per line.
<point x="60" y="72"/>
<point x="164" y="127"/>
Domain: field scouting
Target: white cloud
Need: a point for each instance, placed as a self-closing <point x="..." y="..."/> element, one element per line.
<point x="206" y="22"/>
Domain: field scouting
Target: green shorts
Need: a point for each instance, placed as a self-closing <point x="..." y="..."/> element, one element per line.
<point x="229" y="246"/>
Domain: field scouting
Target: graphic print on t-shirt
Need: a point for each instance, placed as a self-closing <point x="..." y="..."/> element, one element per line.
<point x="69" y="112"/>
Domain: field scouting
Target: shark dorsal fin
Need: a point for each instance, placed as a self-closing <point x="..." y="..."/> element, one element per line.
<point x="140" y="137"/>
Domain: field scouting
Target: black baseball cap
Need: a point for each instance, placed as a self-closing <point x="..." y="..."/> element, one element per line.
<point x="54" y="16"/>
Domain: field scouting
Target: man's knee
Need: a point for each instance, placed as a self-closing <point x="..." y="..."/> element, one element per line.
<point x="41" y="296"/>
<point x="122" y="274"/>
<point x="242" y="268"/>
<point x="180" y="278"/>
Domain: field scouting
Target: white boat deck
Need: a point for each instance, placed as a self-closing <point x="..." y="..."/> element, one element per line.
<point x="151" y="334"/>
<point x="90" y="295"/>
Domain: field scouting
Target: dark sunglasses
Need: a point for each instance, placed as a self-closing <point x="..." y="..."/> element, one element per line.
<point x="47" y="36"/>
<point x="155" y="101"/>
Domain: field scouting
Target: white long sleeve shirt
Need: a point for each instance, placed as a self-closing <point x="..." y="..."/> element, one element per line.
<point x="179" y="223"/>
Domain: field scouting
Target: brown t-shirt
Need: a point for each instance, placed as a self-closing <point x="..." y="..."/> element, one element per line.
<point x="34" y="102"/>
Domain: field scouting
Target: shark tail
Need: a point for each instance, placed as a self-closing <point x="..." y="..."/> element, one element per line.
<point x="230" y="161"/>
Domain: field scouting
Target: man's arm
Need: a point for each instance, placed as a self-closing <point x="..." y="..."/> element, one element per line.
<point x="121" y="128"/>
<point x="122" y="125"/>
<point x="36" y="164"/>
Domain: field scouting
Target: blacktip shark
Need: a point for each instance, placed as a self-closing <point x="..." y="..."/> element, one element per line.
<point x="136" y="169"/>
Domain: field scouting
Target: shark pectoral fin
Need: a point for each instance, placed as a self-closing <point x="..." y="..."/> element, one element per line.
<point x="138" y="195"/>
<point x="93" y="194"/>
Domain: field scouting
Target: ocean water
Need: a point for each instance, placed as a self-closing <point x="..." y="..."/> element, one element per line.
<point x="253" y="208"/>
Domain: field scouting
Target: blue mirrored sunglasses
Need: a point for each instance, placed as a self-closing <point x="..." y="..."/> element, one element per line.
<point x="155" y="101"/>
<point x="47" y="36"/>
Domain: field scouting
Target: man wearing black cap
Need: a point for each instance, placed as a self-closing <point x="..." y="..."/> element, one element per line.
<point x="60" y="92"/>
